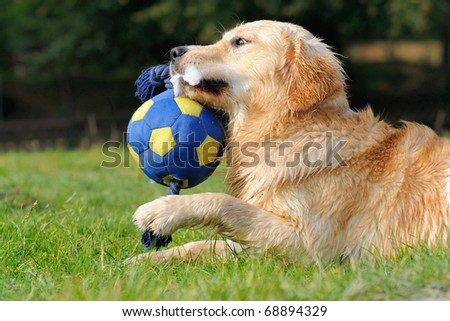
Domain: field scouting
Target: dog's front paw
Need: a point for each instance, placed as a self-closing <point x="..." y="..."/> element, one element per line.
<point x="161" y="216"/>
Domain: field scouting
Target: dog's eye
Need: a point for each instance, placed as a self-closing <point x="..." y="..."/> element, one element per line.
<point x="238" y="42"/>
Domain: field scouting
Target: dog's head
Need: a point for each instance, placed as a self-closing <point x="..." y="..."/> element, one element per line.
<point x="264" y="64"/>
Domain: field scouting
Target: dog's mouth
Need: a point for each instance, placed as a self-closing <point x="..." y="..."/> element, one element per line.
<point x="214" y="86"/>
<point x="194" y="79"/>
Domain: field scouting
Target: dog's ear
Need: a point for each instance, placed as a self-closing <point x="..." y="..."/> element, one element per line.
<point x="310" y="77"/>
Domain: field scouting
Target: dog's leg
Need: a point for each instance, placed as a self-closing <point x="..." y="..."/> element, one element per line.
<point x="191" y="252"/>
<point x="233" y="218"/>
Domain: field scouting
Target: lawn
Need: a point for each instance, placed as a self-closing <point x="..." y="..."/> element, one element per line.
<point x="65" y="231"/>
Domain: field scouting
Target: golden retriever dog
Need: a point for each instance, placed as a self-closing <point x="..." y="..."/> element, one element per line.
<point x="308" y="176"/>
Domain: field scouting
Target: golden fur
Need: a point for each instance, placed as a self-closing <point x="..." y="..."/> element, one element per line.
<point x="388" y="188"/>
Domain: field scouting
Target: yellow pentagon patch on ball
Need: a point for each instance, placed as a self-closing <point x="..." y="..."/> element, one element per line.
<point x="142" y="111"/>
<point x="167" y="179"/>
<point x="134" y="155"/>
<point x="162" y="141"/>
<point x="189" y="106"/>
<point x="207" y="151"/>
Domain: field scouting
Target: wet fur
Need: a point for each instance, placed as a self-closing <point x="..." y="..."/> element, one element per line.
<point x="389" y="191"/>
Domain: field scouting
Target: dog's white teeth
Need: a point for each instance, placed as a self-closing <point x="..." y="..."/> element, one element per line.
<point x="175" y="80"/>
<point x="192" y="76"/>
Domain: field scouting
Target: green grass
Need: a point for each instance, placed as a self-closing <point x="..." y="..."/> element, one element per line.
<point x="65" y="231"/>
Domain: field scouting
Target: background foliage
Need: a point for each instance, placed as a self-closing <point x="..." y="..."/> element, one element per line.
<point x="76" y="57"/>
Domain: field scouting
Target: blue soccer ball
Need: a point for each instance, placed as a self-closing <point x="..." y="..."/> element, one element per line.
<point x="175" y="138"/>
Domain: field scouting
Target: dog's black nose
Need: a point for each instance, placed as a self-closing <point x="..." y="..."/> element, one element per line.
<point x="178" y="52"/>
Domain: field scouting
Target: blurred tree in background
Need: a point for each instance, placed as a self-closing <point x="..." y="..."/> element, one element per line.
<point x="70" y="57"/>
